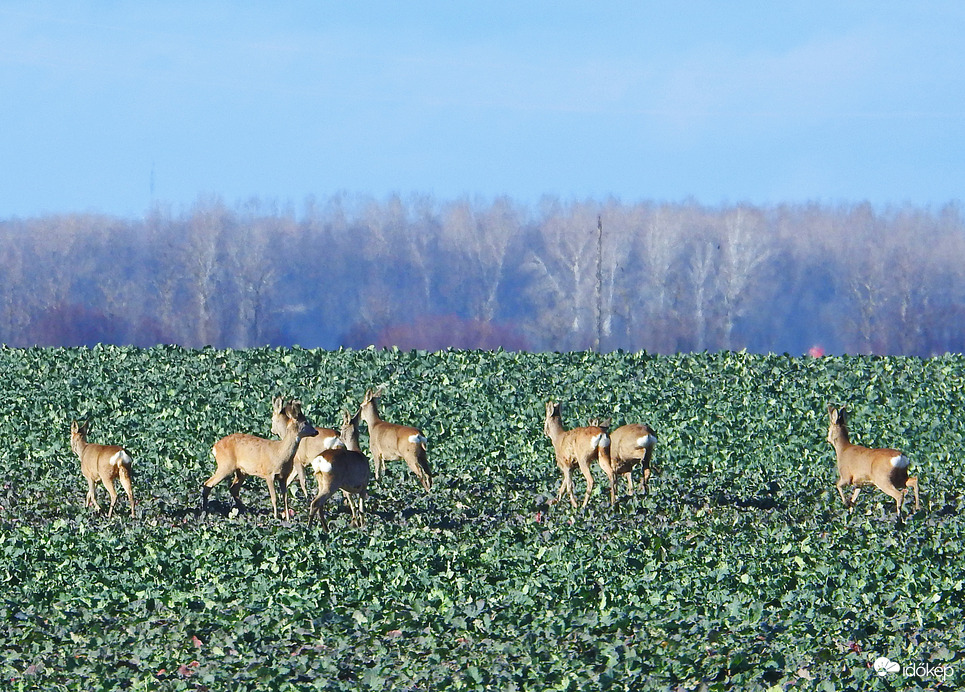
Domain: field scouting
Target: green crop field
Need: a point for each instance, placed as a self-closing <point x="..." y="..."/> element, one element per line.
<point x="740" y="570"/>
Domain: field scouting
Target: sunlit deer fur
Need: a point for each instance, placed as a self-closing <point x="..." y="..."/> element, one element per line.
<point x="308" y="448"/>
<point x="631" y="445"/>
<point x="244" y="455"/>
<point x="574" y="448"/>
<point x="345" y="469"/>
<point x="886" y="469"/>
<point x="102" y="464"/>
<point x="389" y="442"/>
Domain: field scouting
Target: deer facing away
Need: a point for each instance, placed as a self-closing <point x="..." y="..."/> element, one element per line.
<point x="631" y="445"/>
<point x="388" y="442"/>
<point x="244" y="455"/>
<point x="886" y="469"/>
<point x="345" y="469"/>
<point x="102" y="464"/>
<point x="576" y="448"/>
<point x="308" y="448"/>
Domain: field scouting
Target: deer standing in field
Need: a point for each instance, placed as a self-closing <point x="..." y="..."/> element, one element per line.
<point x="630" y="445"/>
<point x="102" y="464"/>
<point x="389" y="442"/>
<point x="244" y="455"/>
<point x="345" y="469"/>
<point x="887" y="469"/>
<point x="575" y="448"/>
<point x="308" y="448"/>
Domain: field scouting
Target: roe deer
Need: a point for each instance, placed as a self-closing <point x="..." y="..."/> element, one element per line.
<point x="101" y="464"/>
<point x="389" y="442"/>
<point x="345" y="469"/>
<point x="887" y="469"/>
<point x="630" y="445"/>
<point x="575" y="448"/>
<point x="244" y="455"/>
<point x="308" y="448"/>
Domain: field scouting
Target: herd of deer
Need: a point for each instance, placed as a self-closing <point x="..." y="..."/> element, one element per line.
<point x="337" y="461"/>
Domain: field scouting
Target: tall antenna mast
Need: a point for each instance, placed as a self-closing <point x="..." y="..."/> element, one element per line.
<point x="599" y="283"/>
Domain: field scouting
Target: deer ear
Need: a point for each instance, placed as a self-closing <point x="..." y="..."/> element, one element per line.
<point x="277" y="404"/>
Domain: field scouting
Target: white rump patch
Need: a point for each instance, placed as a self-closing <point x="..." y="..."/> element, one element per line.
<point x="900" y="461"/>
<point x="418" y="439"/>
<point x="121" y="458"/>
<point x="334" y="442"/>
<point x="601" y="440"/>
<point x="321" y="465"/>
<point x="646" y="441"/>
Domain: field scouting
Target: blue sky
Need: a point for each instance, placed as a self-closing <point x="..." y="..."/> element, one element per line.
<point x="111" y="106"/>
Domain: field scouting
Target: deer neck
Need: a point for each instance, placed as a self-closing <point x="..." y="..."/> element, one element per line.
<point x="351" y="439"/>
<point x="553" y="428"/>
<point x="78" y="444"/>
<point x="370" y="414"/>
<point x="288" y="445"/>
<point x="840" y="439"/>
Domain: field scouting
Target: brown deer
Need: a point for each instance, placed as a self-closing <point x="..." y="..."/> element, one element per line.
<point x="345" y="469"/>
<point x="389" y="442"/>
<point x="575" y="448"/>
<point x="308" y="448"/>
<point x="244" y="455"/>
<point x="102" y="464"/>
<point x="887" y="469"/>
<point x="630" y="445"/>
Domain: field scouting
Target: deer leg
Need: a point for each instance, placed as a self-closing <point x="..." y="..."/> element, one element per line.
<point x="218" y="476"/>
<point x="628" y="479"/>
<point x="317" y="507"/>
<point x="840" y="485"/>
<point x="298" y="471"/>
<point x="913" y="484"/>
<point x="614" y="482"/>
<point x="425" y="476"/>
<point x="284" y="493"/>
<point x="854" y="495"/>
<point x="91" y="500"/>
<point x="566" y="486"/>
<point x="125" y="477"/>
<point x="235" y="490"/>
<point x="588" y="475"/>
<point x="645" y="481"/>
<point x="274" y="499"/>
<point x="897" y="495"/>
<point x="112" y="491"/>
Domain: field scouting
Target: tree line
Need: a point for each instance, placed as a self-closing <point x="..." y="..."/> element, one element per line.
<point x="415" y="272"/>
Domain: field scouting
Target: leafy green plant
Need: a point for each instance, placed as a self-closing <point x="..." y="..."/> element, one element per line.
<point x="740" y="569"/>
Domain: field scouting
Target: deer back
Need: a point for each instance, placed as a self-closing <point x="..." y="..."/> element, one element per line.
<point x="864" y="464"/>
<point x="96" y="460"/>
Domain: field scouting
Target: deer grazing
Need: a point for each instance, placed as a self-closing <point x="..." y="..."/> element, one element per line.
<point x="102" y="464"/>
<point x="630" y="445"/>
<point x="575" y="448"/>
<point x="345" y="469"/>
<point x="389" y="442"/>
<point x="308" y="448"/>
<point x="244" y="455"/>
<point x="887" y="469"/>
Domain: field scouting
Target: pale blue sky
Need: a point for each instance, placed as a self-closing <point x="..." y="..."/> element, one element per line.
<point x="723" y="102"/>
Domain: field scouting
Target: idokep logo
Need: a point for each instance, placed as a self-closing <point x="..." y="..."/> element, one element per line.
<point x="884" y="667"/>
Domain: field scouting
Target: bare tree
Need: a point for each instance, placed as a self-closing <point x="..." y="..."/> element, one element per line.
<point x="745" y="249"/>
<point x="563" y="268"/>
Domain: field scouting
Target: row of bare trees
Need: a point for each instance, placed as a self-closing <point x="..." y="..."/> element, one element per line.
<point x="418" y="273"/>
